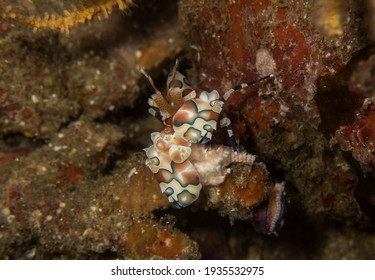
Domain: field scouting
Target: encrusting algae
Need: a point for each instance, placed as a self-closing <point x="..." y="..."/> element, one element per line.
<point x="89" y="10"/>
<point x="74" y="120"/>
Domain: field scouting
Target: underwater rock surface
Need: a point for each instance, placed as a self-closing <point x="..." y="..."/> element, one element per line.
<point x="74" y="121"/>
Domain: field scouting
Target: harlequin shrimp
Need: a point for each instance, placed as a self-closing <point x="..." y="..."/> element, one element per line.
<point x="182" y="170"/>
<point x="192" y="116"/>
<point x="177" y="157"/>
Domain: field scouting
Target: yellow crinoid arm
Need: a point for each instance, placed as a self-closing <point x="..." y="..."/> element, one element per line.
<point x="63" y="22"/>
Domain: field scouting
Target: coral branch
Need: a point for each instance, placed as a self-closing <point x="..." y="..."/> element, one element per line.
<point x="79" y="14"/>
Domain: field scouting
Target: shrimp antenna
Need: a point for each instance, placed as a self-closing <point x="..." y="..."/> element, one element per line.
<point x="149" y="79"/>
<point x="174" y="70"/>
<point x="244" y="85"/>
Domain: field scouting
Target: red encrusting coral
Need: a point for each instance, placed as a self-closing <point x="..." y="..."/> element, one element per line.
<point x="146" y="240"/>
<point x="81" y="190"/>
<point x="359" y="137"/>
<point x="279" y="118"/>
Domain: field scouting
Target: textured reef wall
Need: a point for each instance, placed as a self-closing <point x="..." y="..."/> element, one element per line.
<point x="74" y="121"/>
